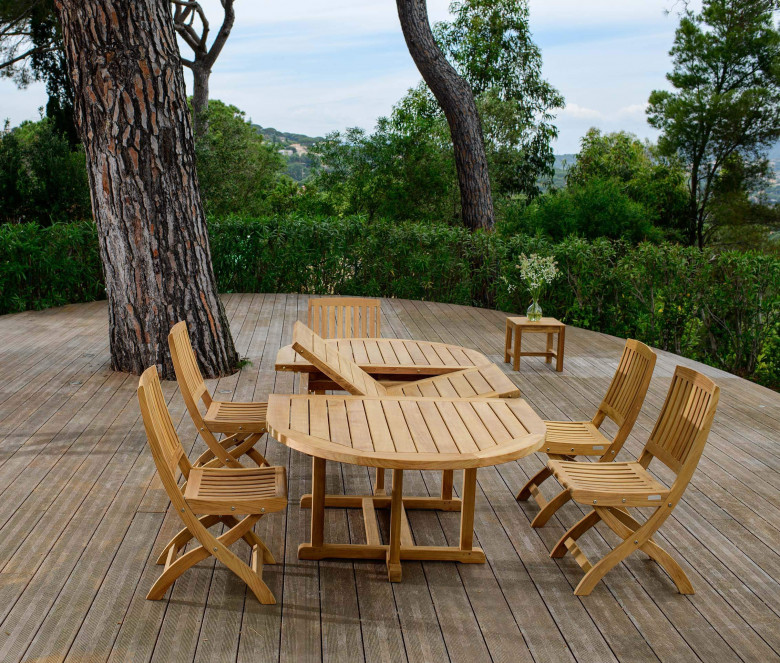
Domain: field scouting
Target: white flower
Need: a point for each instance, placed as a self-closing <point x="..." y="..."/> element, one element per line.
<point x="537" y="271"/>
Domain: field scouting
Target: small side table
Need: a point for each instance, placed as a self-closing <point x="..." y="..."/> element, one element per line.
<point x="547" y="326"/>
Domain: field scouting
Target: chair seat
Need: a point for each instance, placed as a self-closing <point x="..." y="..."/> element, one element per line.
<point x="227" y="417"/>
<point x="236" y="490"/>
<point x="609" y="484"/>
<point x="574" y="438"/>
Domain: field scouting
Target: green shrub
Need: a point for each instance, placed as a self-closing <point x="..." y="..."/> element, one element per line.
<point x="598" y="208"/>
<point x="719" y="308"/>
<point x="52" y="266"/>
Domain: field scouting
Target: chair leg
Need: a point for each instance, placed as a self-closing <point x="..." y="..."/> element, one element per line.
<point x="534" y="482"/>
<point x="252" y="539"/>
<point x="603" y="566"/>
<point x="173" y="570"/>
<point x="670" y="565"/>
<point x="233" y="447"/>
<point x="184" y="536"/>
<point x="550" y="508"/>
<point x="650" y="548"/>
<point x="574" y="533"/>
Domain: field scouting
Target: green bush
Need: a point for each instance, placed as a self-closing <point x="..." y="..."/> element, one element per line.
<point x="51" y="266"/>
<point x="719" y="308"/>
<point x="42" y="178"/>
<point x="599" y="208"/>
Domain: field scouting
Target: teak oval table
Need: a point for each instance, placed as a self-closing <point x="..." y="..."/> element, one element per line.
<point x="386" y="359"/>
<point x="401" y="433"/>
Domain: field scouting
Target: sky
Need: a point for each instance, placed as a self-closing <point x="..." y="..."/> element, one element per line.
<point x="312" y="67"/>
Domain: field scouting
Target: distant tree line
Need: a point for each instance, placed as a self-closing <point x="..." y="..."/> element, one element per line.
<point x="700" y="184"/>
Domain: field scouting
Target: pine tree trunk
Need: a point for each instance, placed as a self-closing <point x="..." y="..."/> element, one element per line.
<point x="457" y="101"/>
<point x="132" y="116"/>
<point x="200" y="97"/>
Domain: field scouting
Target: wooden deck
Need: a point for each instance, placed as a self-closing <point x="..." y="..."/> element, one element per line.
<point x="82" y="519"/>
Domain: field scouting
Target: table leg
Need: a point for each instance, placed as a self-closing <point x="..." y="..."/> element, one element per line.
<point x="507" y="341"/>
<point x="468" y="495"/>
<point x="548" y="358"/>
<point x="516" y="348"/>
<point x="561" y="340"/>
<point x="446" y="484"/>
<point x="379" y="483"/>
<point x="317" y="502"/>
<point x="394" y="552"/>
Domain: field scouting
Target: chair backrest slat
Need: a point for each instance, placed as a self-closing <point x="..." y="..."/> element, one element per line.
<point x="628" y="388"/>
<point x="188" y="375"/>
<point x="681" y="431"/>
<point x="345" y="317"/>
<point x="164" y="442"/>
<point x="328" y="360"/>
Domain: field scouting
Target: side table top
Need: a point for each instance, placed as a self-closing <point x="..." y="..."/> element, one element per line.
<point x="544" y="322"/>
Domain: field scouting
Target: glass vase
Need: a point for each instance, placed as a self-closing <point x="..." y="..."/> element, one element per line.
<point x="534" y="312"/>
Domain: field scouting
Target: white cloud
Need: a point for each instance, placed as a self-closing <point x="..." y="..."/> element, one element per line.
<point x="575" y="110"/>
<point x="312" y="66"/>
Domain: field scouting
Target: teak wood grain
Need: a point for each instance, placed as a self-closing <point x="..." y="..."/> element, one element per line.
<point x="568" y="439"/>
<point x="243" y="423"/>
<point x="219" y="494"/>
<point x="401" y="433"/>
<point x="74" y="577"/>
<point x="345" y="317"/>
<point x="677" y="441"/>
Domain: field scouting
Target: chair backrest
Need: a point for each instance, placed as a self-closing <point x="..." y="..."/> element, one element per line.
<point x="627" y="391"/>
<point x="345" y="317"/>
<point x="188" y="375"/>
<point x="679" y="435"/>
<point x="163" y="441"/>
<point x="342" y="370"/>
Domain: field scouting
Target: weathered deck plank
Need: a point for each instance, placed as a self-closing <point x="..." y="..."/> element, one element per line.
<point x="82" y="519"/>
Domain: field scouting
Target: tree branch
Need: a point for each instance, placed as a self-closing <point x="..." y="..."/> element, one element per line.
<point x="223" y="34"/>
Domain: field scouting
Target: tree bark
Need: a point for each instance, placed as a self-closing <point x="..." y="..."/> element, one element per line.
<point x="132" y="115"/>
<point x="200" y="97"/>
<point x="457" y="101"/>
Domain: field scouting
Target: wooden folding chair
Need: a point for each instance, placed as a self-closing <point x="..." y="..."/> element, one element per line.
<point x="677" y="440"/>
<point x="567" y="439"/>
<point x="242" y="423"/>
<point x="481" y="381"/>
<point x="219" y="494"/>
<point x="345" y="317"/>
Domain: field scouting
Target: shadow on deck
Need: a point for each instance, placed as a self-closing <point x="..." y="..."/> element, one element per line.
<point x="82" y="519"/>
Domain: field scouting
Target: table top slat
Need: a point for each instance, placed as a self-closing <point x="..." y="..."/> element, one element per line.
<point x="404" y="432"/>
<point x="377" y="423"/>
<point x="423" y="440"/>
<point x="359" y="430"/>
<point x="437" y="427"/>
<point x="399" y="430"/>
<point x="339" y="424"/>
<point x="502" y="410"/>
<point x="481" y="435"/>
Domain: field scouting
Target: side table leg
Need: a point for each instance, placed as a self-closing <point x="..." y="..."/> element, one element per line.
<point x="396" y="505"/>
<point x="561" y="340"/>
<point x="548" y="358"/>
<point x="516" y="348"/>
<point x="507" y="341"/>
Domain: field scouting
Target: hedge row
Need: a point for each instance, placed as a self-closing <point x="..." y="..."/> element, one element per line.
<point x="719" y="308"/>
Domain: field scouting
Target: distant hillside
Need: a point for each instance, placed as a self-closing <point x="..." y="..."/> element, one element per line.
<point x="293" y="147"/>
<point x="562" y="163"/>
